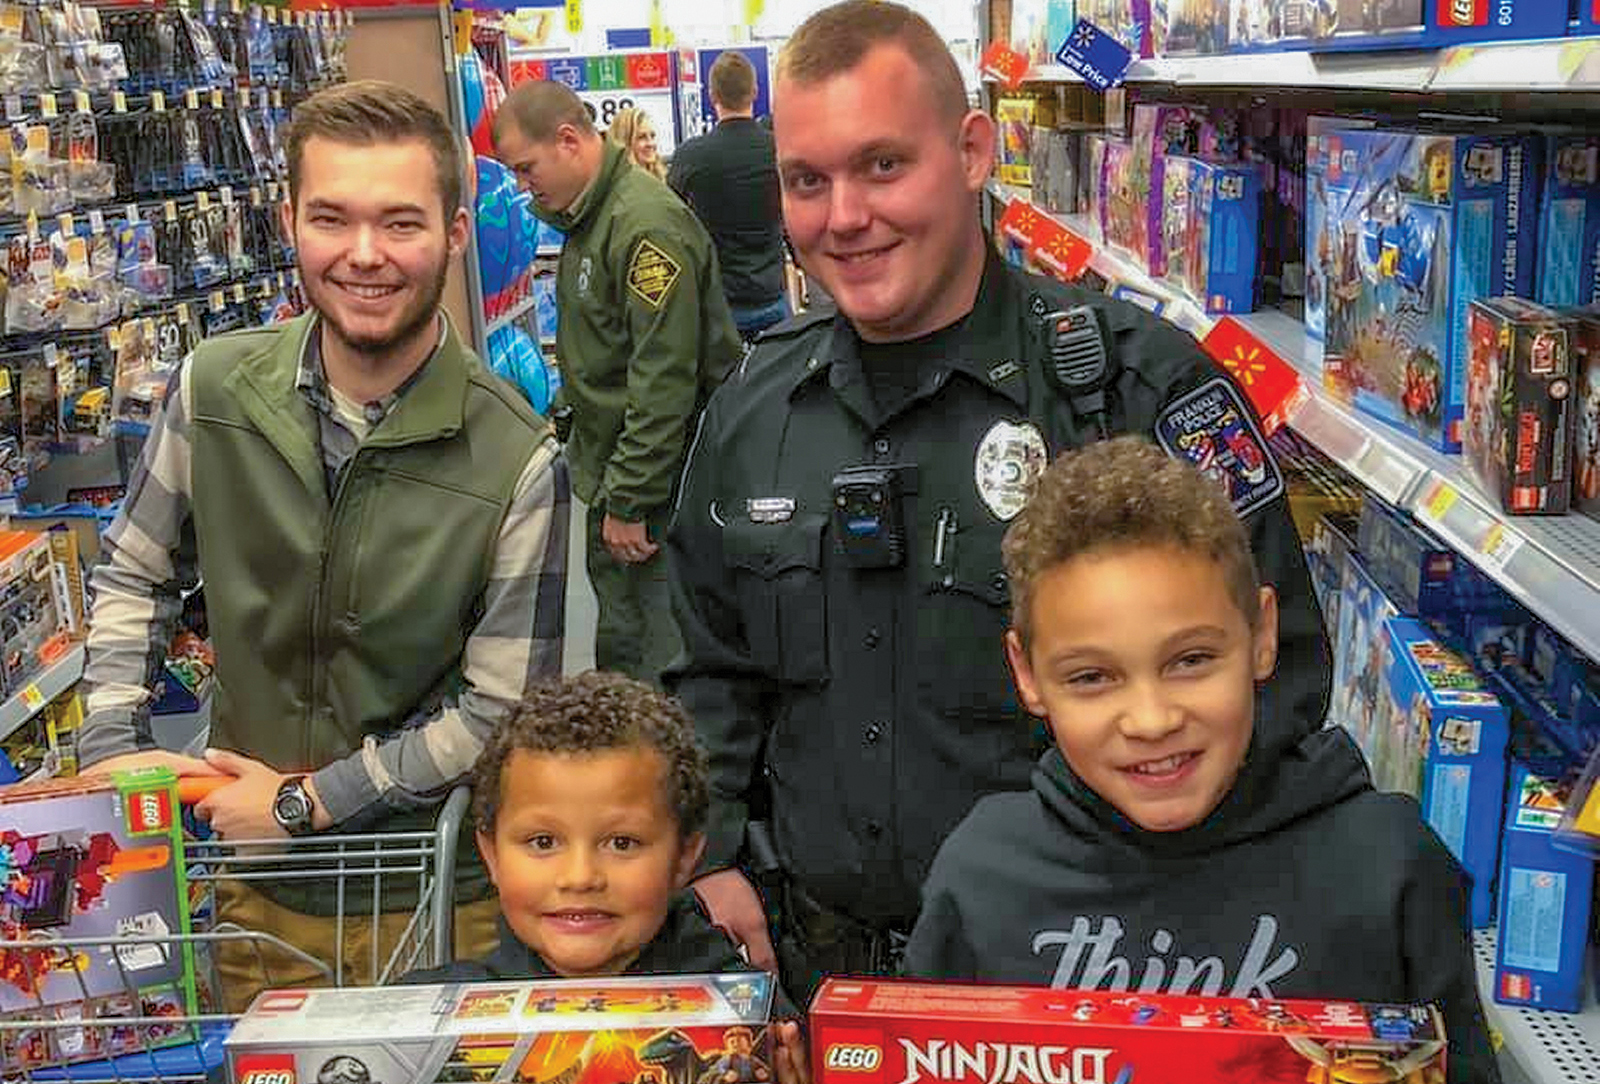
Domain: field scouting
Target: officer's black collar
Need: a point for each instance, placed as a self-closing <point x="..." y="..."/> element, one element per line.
<point x="989" y="335"/>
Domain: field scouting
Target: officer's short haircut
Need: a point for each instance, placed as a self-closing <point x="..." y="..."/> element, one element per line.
<point x="1122" y="494"/>
<point x="733" y="80"/>
<point x="595" y="712"/>
<point x="367" y="112"/>
<point x="836" y="39"/>
<point x="539" y="108"/>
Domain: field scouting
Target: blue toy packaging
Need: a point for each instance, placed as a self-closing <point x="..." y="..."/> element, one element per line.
<point x="1425" y="577"/>
<point x="1545" y="897"/>
<point x="1388" y="24"/>
<point x="1332" y="540"/>
<point x="1224" y="225"/>
<point x="1462" y="729"/>
<point x="1585" y="17"/>
<point x="1324" y="138"/>
<point x="1569" y="222"/>
<point x="1126" y="20"/>
<point x="1360" y="655"/>
<point x="1517" y="436"/>
<point x="1416" y="227"/>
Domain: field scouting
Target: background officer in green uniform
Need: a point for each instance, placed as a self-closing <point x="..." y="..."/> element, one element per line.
<point x="836" y="548"/>
<point x="644" y="336"/>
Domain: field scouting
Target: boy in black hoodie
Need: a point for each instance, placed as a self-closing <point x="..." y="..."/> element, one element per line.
<point x="1172" y="843"/>
<point x="589" y="805"/>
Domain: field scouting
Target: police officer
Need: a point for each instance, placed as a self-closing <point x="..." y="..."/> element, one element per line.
<point x="645" y="333"/>
<point x="836" y="547"/>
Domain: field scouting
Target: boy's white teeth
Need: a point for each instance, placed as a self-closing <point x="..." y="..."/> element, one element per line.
<point x="1158" y="767"/>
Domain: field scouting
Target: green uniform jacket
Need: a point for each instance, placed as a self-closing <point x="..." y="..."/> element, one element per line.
<point x="645" y="336"/>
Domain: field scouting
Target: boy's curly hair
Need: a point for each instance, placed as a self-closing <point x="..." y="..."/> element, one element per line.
<point x="1123" y="493"/>
<point x="589" y="713"/>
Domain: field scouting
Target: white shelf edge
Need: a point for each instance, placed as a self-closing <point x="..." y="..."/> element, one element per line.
<point x="1531" y="1035"/>
<point x="511" y="315"/>
<point x="50" y="683"/>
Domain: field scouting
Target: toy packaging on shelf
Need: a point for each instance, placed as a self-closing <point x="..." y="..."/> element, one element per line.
<point x="32" y="635"/>
<point x="1461" y="730"/>
<point x="1015" y="145"/>
<point x="882" y="1031"/>
<point x="1159" y="132"/>
<point x="1224" y="223"/>
<point x="1126" y="20"/>
<point x="1415" y="228"/>
<point x="1425" y="577"/>
<point x="1517" y="435"/>
<point x="1545" y="897"/>
<point x="1332" y="540"/>
<point x="1569" y="222"/>
<point x="1254" y="25"/>
<point x="1585" y="329"/>
<point x="1124" y="204"/>
<point x="1057" y="157"/>
<point x="87" y="858"/>
<point x="661" y="1030"/>
<point x="1360" y="655"/>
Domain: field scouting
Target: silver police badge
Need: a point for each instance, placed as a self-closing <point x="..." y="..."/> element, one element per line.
<point x="1011" y="457"/>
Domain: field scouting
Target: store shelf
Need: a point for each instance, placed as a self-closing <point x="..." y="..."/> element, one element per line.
<point x="1563" y="64"/>
<point x="45" y="687"/>
<point x="511" y="315"/>
<point x="1540" y="1047"/>
<point x="1549" y="563"/>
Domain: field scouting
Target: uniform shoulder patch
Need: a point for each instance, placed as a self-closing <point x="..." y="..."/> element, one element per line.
<point x="1213" y="428"/>
<point x="652" y="273"/>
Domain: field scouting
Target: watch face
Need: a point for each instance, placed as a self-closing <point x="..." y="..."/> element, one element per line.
<point x="292" y="808"/>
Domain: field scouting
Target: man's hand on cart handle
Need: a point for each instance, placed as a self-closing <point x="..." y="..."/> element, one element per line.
<point x="243" y="808"/>
<point x="790" y="1054"/>
<point x="733" y="904"/>
<point x="176" y="763"/>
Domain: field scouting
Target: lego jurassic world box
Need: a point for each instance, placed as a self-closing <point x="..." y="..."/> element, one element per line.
<point x="869" y="1031"/>
<point x="686" y="1029"/>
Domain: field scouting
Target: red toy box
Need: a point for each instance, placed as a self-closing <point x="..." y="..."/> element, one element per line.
<point x="897" y="1032"/>
<point x="701" y="1029"/>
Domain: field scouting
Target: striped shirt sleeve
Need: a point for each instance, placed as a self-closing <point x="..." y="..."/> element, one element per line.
<point x="515" y="645"/>
<point x="147" y="561"/>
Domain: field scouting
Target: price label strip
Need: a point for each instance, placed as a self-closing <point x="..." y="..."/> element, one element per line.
<point x="1498" y="545"/>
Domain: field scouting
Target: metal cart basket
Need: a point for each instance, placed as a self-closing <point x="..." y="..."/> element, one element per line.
<point x="138" y="1041"/>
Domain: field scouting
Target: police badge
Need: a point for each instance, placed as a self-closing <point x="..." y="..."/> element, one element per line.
<point x="1011" y="457"/>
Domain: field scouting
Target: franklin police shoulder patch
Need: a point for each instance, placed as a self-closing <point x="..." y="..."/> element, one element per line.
<point x="1010" y="458"/>
<point x="1213" y="428"/>
<point x="652" y="273"/>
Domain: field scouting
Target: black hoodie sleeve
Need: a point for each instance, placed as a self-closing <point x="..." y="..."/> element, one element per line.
<point x="938" y="948"/>
<point x="1439" y="963"/>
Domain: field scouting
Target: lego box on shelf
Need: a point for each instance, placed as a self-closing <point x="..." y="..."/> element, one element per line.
<point x="1517" y="435"/>
<point x="1425" y="577"/>
<point x="1585" y="328"/>
<point x="32" y="634"/>
<point x="1159" y="132"/>
<point x="1416" y="226"/>
<point x="883" y="1031"/>
<point x="1388" y="24"/>
<point x="1223" y="227"/>
<point x="1360" y="655"/>
<point x="681" y="1029"/>
<point x="1463" y="729"/>
<point x="82" y="859"/>
<point x="1545" y="897"/>
<point x="1569" y="222"/>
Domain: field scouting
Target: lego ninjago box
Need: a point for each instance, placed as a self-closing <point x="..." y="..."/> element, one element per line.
<point x="84" y="862"/>
<point x="683" y="1029"/>
<point x="869" y="1031"/>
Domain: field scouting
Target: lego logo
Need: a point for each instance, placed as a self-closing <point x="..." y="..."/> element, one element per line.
<point x="268" y="1076"/>
<point x="265" y="1069"/>
<point x="1464" y="12"/>
<point x="150" y="811"/>
<point x="854" y="1058"/>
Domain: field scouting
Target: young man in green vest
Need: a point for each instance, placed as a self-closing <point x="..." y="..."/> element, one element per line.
<point x="645" y="335"/>
<point x="380" y="526"/>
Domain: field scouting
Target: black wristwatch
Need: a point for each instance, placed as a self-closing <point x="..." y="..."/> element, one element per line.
<point x="292" y="807"/>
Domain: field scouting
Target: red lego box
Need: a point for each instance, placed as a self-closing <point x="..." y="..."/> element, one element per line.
<point x="870" y="1031"/>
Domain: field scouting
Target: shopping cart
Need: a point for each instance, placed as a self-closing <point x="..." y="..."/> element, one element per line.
<point x="138" y="1041"/>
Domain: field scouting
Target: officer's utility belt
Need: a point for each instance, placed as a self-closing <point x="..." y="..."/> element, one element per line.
<point x="880" y="950"/>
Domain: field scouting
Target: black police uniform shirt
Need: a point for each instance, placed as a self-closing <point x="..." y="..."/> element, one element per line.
<point x="729" y="177"/>
<point x="872" y="707"/>
<point x="1305" y="883"/>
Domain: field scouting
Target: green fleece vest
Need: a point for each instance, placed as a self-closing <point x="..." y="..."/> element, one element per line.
<point x="341" y="615"/>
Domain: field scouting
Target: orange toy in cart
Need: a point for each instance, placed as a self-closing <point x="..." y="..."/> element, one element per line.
<point x="873" y="1031"/>
<point x="682" y="1029"/>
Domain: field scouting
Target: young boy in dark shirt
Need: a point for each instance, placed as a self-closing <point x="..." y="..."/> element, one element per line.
<point x="1172" y="842"/>
<point x="590" y="803"/>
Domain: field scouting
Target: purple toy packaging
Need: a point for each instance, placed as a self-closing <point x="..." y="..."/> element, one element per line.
<point x="1415" y="227"/>
<point x="1159" y="131"/>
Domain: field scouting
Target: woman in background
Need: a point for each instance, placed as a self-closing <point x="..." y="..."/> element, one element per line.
<point x="633" y="129"/>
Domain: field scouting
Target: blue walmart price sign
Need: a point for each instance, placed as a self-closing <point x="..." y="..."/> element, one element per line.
<point x="1100" y="59"/>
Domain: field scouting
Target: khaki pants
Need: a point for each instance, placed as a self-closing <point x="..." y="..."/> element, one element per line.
<point x="246" y="967"/>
